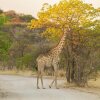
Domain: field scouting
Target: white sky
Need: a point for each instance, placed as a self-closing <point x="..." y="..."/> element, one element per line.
<point x="33" y="6"/>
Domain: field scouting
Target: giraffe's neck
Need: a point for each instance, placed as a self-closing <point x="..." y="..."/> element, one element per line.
<point x="58" y="49"/>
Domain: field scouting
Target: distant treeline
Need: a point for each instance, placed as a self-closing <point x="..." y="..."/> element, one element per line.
<point x="12" y="17"/>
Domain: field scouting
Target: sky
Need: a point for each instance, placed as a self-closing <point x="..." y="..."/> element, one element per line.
<point x="33" y="6"/>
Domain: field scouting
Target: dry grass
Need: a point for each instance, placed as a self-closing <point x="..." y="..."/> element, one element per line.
<point x="95" y="83"/>
<point x="61" y="73"/>
<point x="8" y="72"/>
<point x="93" y="86"/>
<point x="15" y="72"/>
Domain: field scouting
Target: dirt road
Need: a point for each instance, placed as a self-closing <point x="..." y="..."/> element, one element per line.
<point x="24" y="88"/>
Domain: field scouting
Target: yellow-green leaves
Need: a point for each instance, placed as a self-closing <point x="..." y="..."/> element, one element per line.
<point x="73" y="14"/>
<point x="52" y="33"/>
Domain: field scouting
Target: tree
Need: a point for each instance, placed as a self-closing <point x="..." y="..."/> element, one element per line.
<point x="26" y="18"/>
<point x="5" y="44"/>
<point x="1" y="11"/>
<point x="81" y="19"/>
<point x="3" y="19"/>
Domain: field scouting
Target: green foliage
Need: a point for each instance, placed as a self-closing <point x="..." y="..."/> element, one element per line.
<point x="26" y="18"/>
<point x="5" y="44"/>
<point x="3" y="19"/>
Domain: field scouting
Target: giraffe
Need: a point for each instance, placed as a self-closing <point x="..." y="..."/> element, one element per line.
<point x="50" y="59"/>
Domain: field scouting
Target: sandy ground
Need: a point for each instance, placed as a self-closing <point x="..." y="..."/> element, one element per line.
<point x="24" y="88"/>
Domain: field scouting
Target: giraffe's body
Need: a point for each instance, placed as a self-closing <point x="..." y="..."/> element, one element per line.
<point x="51" y="59"/>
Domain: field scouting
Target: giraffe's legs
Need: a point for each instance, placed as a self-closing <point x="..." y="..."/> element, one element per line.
<point x="51" y="83"/>
<point x="54" y="80"/>
<point x="42" y="80"/>
<point x="38" y="80"/>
